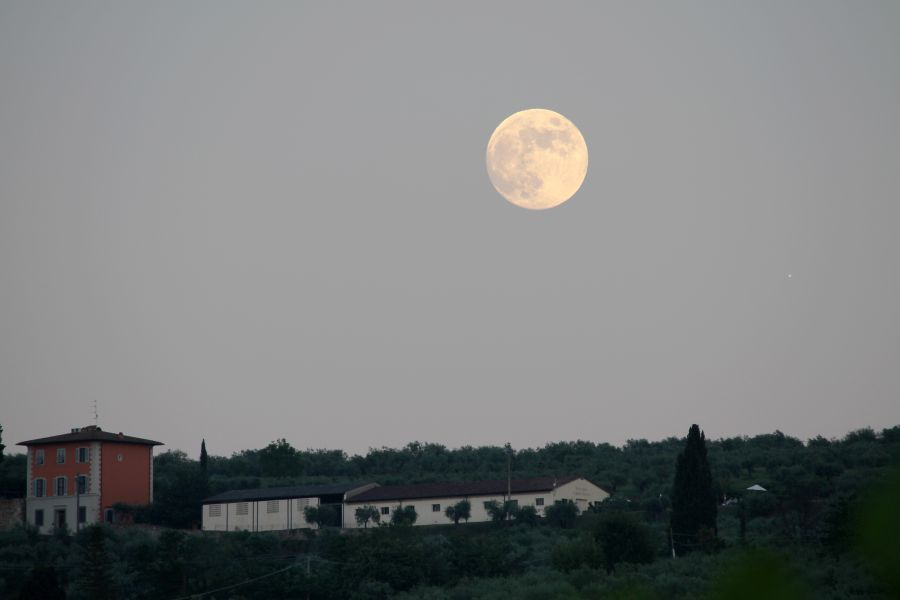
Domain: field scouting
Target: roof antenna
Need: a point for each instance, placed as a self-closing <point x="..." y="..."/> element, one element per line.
<point x="96" y="413"/>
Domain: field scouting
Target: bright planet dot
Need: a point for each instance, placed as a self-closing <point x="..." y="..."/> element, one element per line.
<point x="537" y="159"/>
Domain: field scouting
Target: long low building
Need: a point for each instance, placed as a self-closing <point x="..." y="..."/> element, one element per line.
<point x="274" y="509"/>
<point x="431" y="500"/>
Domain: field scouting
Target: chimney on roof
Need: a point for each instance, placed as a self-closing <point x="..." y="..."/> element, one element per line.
<point x="75" y="430"/>
<point x="121" y="435"/>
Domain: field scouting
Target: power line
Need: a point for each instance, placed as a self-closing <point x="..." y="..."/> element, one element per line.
<point x="234" y="585"/>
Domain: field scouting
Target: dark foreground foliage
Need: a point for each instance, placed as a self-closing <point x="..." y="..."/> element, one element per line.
<point x="826" y="529"/>
<point x="449" y="562"/>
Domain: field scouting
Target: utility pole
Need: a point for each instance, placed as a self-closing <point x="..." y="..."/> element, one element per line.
<point x="77" y="502"/>
<point x="508" y="478"/>
<point x="308" y="561"/>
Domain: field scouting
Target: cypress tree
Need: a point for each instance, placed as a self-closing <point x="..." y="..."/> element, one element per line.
<point x="693" y="499"/>
<point x="204" y="458"/>
<point x="204" y="474"/>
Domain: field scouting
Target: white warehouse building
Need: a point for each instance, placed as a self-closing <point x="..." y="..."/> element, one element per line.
<point x="274" y="509"/>
<point x="431" y="500"/>
<point x="278" y="509"/>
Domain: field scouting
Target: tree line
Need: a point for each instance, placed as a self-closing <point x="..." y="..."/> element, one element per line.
<point x="640" y="473"/>
<point x="819" y="532"/>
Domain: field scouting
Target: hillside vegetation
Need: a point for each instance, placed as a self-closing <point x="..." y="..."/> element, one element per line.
<point x="826" y="528"/>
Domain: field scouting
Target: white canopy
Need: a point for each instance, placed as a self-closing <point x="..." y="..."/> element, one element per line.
<point x="757" y="488"/>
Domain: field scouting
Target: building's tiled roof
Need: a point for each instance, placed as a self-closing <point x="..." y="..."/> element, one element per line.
<point x="91" y="434"/>
<point x="460" y="489"/>
<point x="279" y="493"/>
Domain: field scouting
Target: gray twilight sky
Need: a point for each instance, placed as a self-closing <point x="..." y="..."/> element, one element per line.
<point x="251" y="220"/>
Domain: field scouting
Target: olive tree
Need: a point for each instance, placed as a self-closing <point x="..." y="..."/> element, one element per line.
<point x="323" y="516"/>
<point x="404" y="515"/>
<point x="367" y="513"/>
<point x="461" y="511"/>
<point x="562" y="514"/>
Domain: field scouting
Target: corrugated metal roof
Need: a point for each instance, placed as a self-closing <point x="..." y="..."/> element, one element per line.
<point x="90" y="434"/>
<point x="279" y="493"/>
<point x="460" y="489"/>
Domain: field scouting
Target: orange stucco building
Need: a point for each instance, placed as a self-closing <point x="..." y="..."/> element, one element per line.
<point x="75" y="478"/>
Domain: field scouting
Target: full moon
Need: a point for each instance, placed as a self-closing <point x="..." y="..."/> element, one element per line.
<point x="537" y="159"/>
